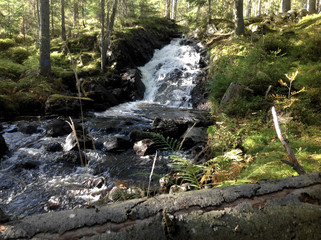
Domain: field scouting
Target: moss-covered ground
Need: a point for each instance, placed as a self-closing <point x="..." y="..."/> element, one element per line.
<point x="259" y="61"/>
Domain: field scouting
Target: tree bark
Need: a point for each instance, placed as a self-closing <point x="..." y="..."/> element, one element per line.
<point x="52" y="18"/>
<point x="168" y="9"/>
<point x="277" y="209"/>
<point x="249" y="9"/>
<point x="259" y="7"/>
<point x="238" y="17"/>
<point x="63" y="24"/>
<point x="75" y="13"/>
<point x="44" y="54"/>
<point x="311" y="6"/>
<point x="38" y="17"/>
<point x="105" y="38"/>
<point x="285" y="5"/>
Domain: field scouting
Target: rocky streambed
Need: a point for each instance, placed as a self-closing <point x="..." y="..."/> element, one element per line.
<point x="43" y="169"/>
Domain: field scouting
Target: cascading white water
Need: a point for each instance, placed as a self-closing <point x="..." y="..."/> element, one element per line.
<point x="168" y="77"/>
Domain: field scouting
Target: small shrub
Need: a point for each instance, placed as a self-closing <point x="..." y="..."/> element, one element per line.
<point x="6" y="44"/>
<point x="18" y="54"/>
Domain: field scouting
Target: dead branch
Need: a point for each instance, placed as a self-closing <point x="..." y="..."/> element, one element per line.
<point x="293" y="160"/>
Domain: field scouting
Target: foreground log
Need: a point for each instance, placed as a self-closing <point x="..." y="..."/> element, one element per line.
<point x="279" y="209"/>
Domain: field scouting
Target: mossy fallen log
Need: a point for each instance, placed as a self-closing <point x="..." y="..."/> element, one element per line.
<point x="278" y="209"/>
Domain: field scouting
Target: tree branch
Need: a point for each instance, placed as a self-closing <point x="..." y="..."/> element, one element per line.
<point x="293" y="160"/>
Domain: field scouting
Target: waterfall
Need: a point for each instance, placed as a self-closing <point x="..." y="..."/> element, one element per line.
<point x="169" y="75"/>
<point x="169" y="78"/>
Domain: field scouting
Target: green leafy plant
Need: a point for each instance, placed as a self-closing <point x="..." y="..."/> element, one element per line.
<point x="191" y="173"/>
<point x="163" y="142"/>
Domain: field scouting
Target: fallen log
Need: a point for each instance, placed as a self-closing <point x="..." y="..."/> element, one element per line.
<point x="273" y="209"/>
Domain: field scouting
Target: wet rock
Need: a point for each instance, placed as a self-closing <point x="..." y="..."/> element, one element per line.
<point x="117" y="144"/>
<point x="195" y="136"/>
<point x="100" y="89"/>
<point x="132" y="85"/>
<point x="138" y="135"/>
<point x="169" y="127"/>
<point x="27" y="165"/>
<point x="145" y="147"/>
<point x="3" y="217"/>
<point x="27" y="128"/>
<point x="72" y="157"/>
<point x="3" y="146"/>
<point x="54" y="147"/>
<point x="58" y="127"/>
<point x="91" y="182"/>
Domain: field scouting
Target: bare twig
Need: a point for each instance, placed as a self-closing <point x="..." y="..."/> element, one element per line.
<point x="80" y="103"/>
<point x="187" y="132"/>
<point x="72" y="126"/>
<point x="293" y="160"/>
<point x="151" y="174"/>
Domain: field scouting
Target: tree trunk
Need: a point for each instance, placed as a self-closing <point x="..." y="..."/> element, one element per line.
<point x="168" y="9"/>
<point x="83" y="16"/>
<point x="52" y="18"/>
<point x="105" y="38"/>
<point x="63" y="24"/>
<point x="102" y="35"/>
<point x="44" y="54"/>
<point x="38" y="17"/>
<point x="285" y="5"/>
<point x="259" y="7"/>
<point x="277" y="209"/>
<point x="209" y="10"/>
<point x="311" y="7"/>
<point x="75" y="13"/>
<point x="249" y="9"/>
<point x="238" y="17"/>
<point x="174" y="9"/>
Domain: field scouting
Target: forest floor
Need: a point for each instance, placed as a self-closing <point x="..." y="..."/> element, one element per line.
<point x="279" y="61"/>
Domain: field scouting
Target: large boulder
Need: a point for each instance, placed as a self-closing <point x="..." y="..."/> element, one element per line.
<point x="234" y="91"/>
<point x="113" y="89"/>
<point x="58" y="127"/>
<point x="194" y="136"/>
<point x="62" y="105"/>
<point x="117" y="144"/>
<point x="137" y="48"/>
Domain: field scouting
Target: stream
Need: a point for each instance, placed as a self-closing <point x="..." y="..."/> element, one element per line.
<point x="42" y="171"/>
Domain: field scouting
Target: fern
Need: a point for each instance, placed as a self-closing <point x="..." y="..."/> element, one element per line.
<point x="164" y="143"/>
<point x="191" y="173"/>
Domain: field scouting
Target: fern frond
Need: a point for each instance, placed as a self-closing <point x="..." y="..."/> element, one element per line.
<point x="163" y="142"/>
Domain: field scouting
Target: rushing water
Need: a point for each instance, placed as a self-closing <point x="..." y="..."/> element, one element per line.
<point x="35" y="177"/>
